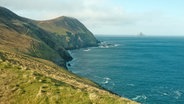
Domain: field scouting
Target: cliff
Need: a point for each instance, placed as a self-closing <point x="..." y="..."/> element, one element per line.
<point x="44" y="39"/>
<point x="70" y="32"/>
<point x="32" y="63"/>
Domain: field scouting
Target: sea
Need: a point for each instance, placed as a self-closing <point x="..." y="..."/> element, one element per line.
<point x="149" y="70"/>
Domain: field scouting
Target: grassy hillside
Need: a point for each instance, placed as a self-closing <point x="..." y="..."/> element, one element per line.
<point x="29" y="80"/>
<point x="69" y="30"/>
<point x="22" y="35"/>
<point x="32" y="64"/>
<point x="44" y="39"/>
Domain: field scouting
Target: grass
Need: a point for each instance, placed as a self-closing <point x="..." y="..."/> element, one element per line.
<point x="28" y="80"/>
<point x="26" y="86"/>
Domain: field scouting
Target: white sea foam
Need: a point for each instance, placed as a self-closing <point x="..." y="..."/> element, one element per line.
<point x="162" y="93"/>
<point x="106" y="80"/>
<point x="165" y="94"/>
<point x="132" y="85"/>
<point x="177" y="94"/>
<point x="140" y="97"/>
<point x="87" y="49"/>
<point x="103" y="46"/>
<point x="116" y="45"/>
<point x="107" y="45"/>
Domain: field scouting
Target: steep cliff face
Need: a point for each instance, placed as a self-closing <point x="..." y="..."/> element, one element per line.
<point x="69" y="32"/>
<point x="44" y="39"/>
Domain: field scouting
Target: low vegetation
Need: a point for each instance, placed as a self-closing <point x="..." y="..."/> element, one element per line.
<point x="29" y="80"/>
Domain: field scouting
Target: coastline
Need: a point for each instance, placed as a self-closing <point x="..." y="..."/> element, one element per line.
<point x="33" y="63"/>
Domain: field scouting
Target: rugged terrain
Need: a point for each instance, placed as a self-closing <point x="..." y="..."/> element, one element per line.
<point x="33" y="56"/>
<point x="44" y="39"/>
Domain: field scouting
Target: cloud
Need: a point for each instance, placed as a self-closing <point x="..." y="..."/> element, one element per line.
<point x="100" y="16"/>
<point x="84" y="9"/>
<point x="98" y="12"/>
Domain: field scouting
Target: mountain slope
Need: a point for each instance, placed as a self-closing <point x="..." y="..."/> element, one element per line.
<point x="32" y="65"/>
<point x="70" y="31"/>
<point x="42" y="40"/>
<point x="21" y="35"/>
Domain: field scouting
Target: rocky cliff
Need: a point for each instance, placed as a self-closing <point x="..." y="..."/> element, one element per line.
<point x="44" y="39"/>
<point x="70" y="32"/>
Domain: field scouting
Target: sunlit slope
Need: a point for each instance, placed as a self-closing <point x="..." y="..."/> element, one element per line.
<point x="28" y="80"/>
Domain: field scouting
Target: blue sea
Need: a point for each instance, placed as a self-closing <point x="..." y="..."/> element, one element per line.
<point x="149" y="70"/>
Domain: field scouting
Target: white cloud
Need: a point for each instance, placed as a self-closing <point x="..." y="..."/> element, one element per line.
<point x="98" y="12"/>
<point x="100" y="16"/>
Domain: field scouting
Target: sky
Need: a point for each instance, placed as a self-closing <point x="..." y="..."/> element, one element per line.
<point x="109" y="17"/>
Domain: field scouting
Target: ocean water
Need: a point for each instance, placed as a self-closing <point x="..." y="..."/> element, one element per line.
<point x="149" y="70"/>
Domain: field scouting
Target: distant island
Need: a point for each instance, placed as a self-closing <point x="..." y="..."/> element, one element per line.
<point x="141" y="34"/>
<point x="33" y="56"/>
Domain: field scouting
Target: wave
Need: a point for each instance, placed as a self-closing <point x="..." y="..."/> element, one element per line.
<point x="177" y="94"/>
<point x="165" y="94"/>
<point x="132" y="85"/>
<point x="87" y="50"/>
<point x="116" y="45"/>
<point x="106" y="80"/>
<point x="140" y="97"/>
<point x="107" y="45"/>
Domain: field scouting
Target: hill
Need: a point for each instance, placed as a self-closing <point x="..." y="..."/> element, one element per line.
<point x="44" y="39"/>
<point x="33" y="58"/>
<point x="70" y="32"/>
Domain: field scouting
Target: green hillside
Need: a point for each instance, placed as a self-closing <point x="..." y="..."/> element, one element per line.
<point x="69" y="30"/>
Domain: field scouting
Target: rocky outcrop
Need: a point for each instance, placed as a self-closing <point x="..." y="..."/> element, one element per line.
<point x="69" y="31"/>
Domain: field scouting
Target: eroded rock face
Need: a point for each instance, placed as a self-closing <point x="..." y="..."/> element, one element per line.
<point x="43" y="39"/>
<point x="72" y="33"/>
<point x="64" y="53"/>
